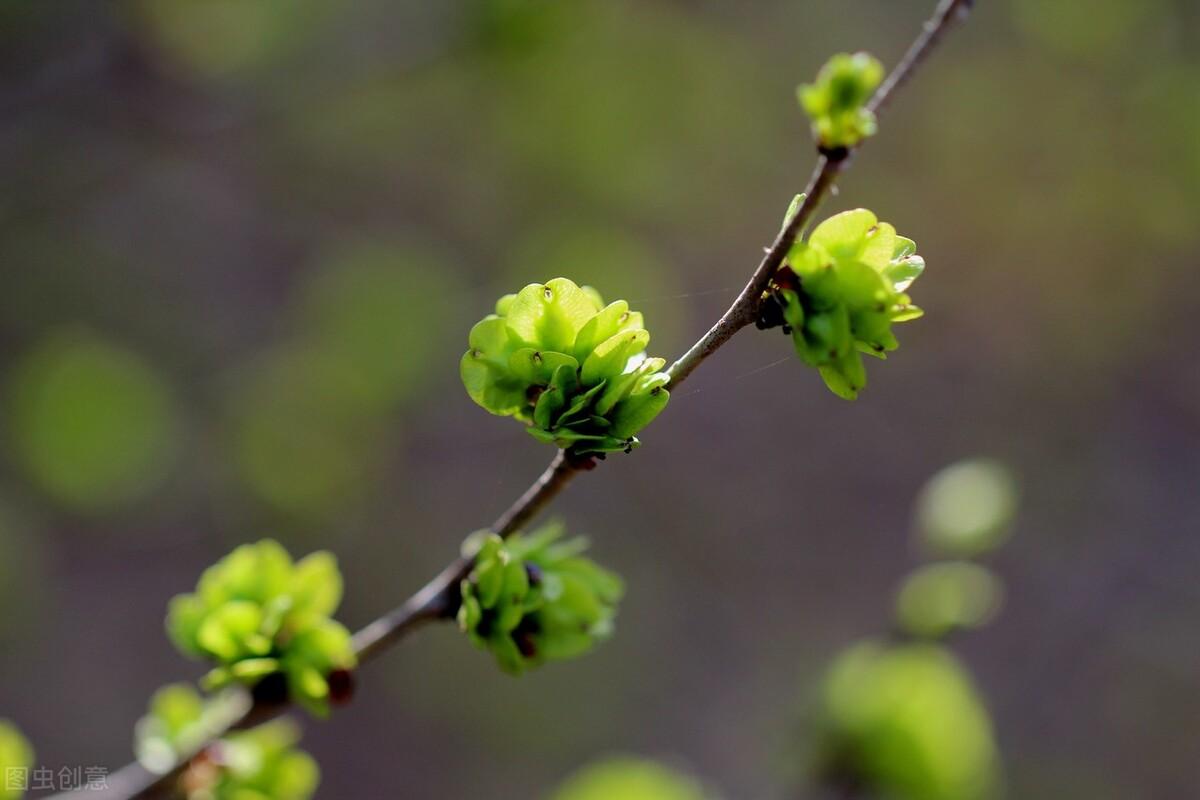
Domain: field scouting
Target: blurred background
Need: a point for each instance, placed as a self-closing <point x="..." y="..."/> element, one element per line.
<point x="242" y="244"/>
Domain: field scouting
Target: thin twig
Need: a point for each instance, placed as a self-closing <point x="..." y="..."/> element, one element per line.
<point x="745" y="308"/>
<point x="438" y="598"/>
<point x="944" y="17"/>
<point x="135" y="781"/>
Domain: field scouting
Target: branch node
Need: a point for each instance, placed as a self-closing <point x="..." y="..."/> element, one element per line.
<point x="341" y="686"/>
<point x="834" y="154"/>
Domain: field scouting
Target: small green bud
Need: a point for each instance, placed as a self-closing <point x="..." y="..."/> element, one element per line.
<point x="573" y="369"/>
<point x="836" y="101"/>
<point x="533" y="598"/>
<point x="950" y="596"/>
<point x="629" y="778"/>
<point x="172" y="727"/>
<point x="793" y="209"/>
<point x="967" y="508"/>
<point x="906" y="721"/>
<point x="16" y="758"/>
<point x="255" y="614"/>
<point x="839" y="293"/>
<point x="254" y="765"/>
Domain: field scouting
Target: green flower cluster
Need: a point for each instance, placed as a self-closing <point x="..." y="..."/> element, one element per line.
<point x="533" y="598"/>
<point x="574" y="369"/>
<point x="948" y="596"/>
<point x="256" y="613"/>
<point x="16" y="757"/>
<point x="906" y="722"/>
<point x="260" y="764"/>
<point x="839" y="293"/>
<point x="964" y="511"/>
<point x="836" y="102"/>
<point x="173" y="728"/>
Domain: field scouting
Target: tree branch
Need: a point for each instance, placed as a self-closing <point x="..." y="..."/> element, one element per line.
<point x="947" y="13"/>
<point x="438" y="599"/>
<point x="744" y="310"/>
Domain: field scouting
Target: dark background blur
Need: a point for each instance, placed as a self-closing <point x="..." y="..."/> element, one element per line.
<point x="242" y="244"/>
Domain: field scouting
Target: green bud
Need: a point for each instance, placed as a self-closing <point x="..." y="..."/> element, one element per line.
<point x="256" y="613"/>
<point x="311" y="656"/>
<point x="16" y="758"/>
<point x="174" y="727"/>
<point x="573" y="369"/>
<point x="534" y="598"/>
<point x="836" y="101"/>
<point x="942" y="598"/>
<point x="906" y="721"/>
<point x="260" y="764"/>
<point x="630" y="778"/>
<point x="793" y="209"/>
<point x="967" y="508"/>
<point x="162" y="734"/>
<point x="839" y="293"/>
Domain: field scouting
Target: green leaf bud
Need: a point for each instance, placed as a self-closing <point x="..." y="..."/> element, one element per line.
<point x="939" y="599"/>
<point x="573" y="369"/>
<point x="630" y="778"/>
<point x="261" y="763"/>
<point x="535" y="598"/>
<point x="258" y="764"/>
<point x="906" y="722"/>
<point x="839" y="293"/>
<point x="256" y="613"/>
<point x="178" y="722"/>
<point x="967" y="508"/>
<point x="836" y="102"/>
<point x="793" y="209"/>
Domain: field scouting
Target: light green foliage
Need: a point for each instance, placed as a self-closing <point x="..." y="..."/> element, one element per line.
<point x="907" y="721"/>
<point x="836" y="101"/>
<point x="941" y="598"/>
<point x="256" y="613"/>
<point x="259" y="764"/>
<point x="263" y="764"/>
<point x="629" y="778"/>
<point x="839" y="293"/>
<point x="574" y="369"/>
<point x="16" y="758"/>
<point x="93" y="422"/>
<point x="600" y="255"/>
<point x="967" y="508"/>
<point x="171" y="728"/>
<point x="534" y="598"/>
<point x="179" y="722"/>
